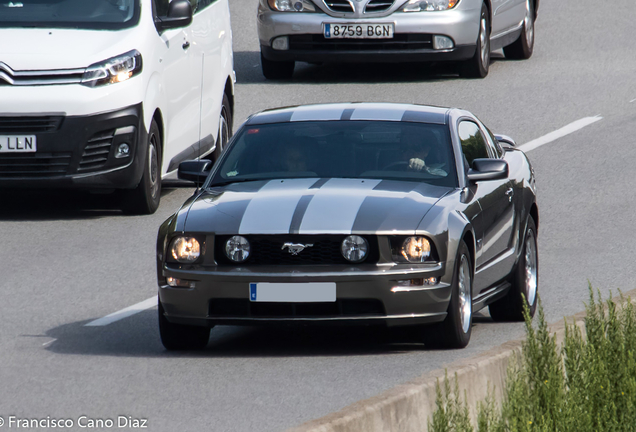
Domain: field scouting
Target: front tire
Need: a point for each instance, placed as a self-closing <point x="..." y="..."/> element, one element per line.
<point x="455" y="330"/>
<point x="277" y="70"/>
<point x="525" y="282"/>
<point x="225" y="128"/>
<point x="178" y="337"/>
<point x="522" y="48"/>
<point x="145" y="198"/>
<point x="479" y="64"/>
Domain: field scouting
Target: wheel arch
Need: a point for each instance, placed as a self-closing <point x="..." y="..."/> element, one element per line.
<point x="229" y="91"/>
<point x="534" y="212"/>
<point x="158" y="118"/>
<point x="469" y="238"/>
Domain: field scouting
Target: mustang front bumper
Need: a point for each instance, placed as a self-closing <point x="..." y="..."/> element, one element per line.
<point x="413" y="35"/>
<point x="363" y="296"/>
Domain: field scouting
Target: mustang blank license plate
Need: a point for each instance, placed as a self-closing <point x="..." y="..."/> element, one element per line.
<point x="358" y="31"/>
<point x="17" y="144"/>
<point x="293" y="292"/>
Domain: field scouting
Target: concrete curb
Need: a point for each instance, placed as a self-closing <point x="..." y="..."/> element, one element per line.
<point x="408" y="407"/>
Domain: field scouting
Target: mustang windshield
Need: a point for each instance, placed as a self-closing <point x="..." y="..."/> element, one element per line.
<point x="82" y="14"/>
<point x="346" y="149"/>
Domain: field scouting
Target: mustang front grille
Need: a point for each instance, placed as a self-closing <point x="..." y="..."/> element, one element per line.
<point x="243" y="308"/>
<point x="268" y="250"/>
<point x="400" y="42"/>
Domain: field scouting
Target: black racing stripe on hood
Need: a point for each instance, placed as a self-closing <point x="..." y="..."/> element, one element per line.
<point x="346" y="114"/>
<point x="395" y="186"/>
<point x="320" y="183"/>
<point x="275" y="117"/>
<point x="299" y="213"/>
<point x="424" y="117"/>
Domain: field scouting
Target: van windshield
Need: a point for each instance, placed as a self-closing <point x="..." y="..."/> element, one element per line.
<point x="81" y="14"/>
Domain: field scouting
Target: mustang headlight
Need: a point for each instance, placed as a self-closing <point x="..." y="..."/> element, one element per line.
<point x="428" y="5"/>
<point x="354" y="248"/>
<point x="114" y="70"/>
<point x="292" y="5"/>
<point x="416" y="249"/>
<point x="237" y="249"/>
<point x="185" y="249"/>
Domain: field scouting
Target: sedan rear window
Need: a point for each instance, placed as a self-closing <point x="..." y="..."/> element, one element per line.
<point x="81" y="14"/>
<point x="340" y="149"/>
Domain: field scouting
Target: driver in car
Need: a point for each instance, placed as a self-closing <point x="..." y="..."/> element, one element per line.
<point x="417" y="148"/>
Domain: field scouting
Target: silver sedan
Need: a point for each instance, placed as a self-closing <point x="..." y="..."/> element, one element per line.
<point x="318" y="31"/>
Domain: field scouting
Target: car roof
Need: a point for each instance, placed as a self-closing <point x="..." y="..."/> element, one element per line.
<point x="353" y="111"/>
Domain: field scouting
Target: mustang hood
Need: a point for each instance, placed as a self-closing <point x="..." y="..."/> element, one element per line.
<point x="313" y="206"/>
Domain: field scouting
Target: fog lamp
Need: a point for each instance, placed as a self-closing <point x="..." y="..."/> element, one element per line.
<point x="123" y="150"/>
<point x="442" y="42"/>
<point x="237" y="249"/>
<point x="179" y="283"/>
<point x="281" y="43"/>
<point x="354" y="248"/>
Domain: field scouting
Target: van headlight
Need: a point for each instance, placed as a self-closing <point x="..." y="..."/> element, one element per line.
<point x="114" y="70"/>
<point x="429" y="5"/>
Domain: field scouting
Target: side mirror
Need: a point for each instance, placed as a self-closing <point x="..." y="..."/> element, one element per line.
<point x="195" y="171"/>
<point x="505" y="139"/>
<point x="488" y="169"/>
<point x="179" y="15"/>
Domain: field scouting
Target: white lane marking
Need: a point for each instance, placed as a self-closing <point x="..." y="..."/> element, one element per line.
<point x="560" y="133"/>
<point x="633" y="100"/>
<point x="124" y="313"/>
<point x="49" y="342"/>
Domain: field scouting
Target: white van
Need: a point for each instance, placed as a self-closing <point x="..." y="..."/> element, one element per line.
<point x="112" y="94"/>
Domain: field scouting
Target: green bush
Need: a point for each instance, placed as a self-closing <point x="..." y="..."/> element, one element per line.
<point x="586" y="384"/>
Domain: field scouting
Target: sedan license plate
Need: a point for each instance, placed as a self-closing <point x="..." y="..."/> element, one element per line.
<point x="358" y="31"/>
<point x="17" y="144"/>
<point x="293" y="292"/>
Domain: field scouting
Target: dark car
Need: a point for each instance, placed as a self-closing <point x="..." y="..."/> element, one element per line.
<point x="360" y="213"/>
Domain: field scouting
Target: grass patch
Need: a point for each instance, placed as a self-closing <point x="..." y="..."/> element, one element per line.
<point x="587" y="383"/>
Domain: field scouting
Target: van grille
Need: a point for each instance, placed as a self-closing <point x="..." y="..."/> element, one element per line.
<point x="34" y="165"/>
<point x="378" y="6"/>
<point x="97" y="151"/>
<point x="30" y="125"/>
<point x="339" y="5"/>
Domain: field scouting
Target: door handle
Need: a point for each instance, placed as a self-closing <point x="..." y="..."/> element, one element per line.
<point x="185" y="45"/>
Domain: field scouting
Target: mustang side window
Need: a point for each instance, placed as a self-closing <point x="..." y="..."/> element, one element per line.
<point x="473" y="142"/>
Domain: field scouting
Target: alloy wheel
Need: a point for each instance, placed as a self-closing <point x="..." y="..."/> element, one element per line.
<point x="465" y="301"/>
<point x="531" y="267"/>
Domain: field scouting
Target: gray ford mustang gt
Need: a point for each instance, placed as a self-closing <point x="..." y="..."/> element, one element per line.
<point x="356" y="213"/>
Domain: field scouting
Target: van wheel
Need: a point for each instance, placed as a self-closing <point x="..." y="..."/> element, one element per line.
<point x="225" y="128"/>
<point x="178" y="337"/>
<point x="522" y="48"/>
<point x="144" y="199"/>
<point x="277" y="70"/>
<point x="478" y="65"/>
<point x="525" y="282"/>
<point x="455" y="330"/>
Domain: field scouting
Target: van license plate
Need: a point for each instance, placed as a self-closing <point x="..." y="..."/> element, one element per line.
<point x="358" y="31"/>
<point x="18" y="144"/>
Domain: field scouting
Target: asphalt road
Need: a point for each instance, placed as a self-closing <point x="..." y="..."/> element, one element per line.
<point x="68" y="258"/>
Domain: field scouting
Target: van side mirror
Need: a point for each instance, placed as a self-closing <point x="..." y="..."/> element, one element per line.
<point x="505" y="139"/>
<point x="488" y="169"/>
<point x="195" y="171"/>
<point x="179" y="15"/>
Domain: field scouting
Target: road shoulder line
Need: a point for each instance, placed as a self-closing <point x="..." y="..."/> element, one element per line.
<point x="124" y="313"/>
<point x="559" y="133"/>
